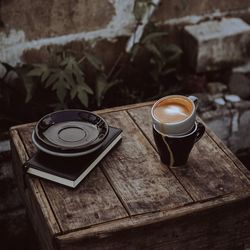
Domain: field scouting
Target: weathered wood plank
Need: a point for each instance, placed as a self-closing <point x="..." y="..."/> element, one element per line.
<point x="209" y="172"/>
<point x="93" y="202"/>
<point x="42" y="218"/>
<point x="209" y="225"/>
<point x="34" y="183"/>
<point x="142" y="117"/>
<point x="141" y="181"/>
<point x="142" y="220"/>
<point x="19" y="156"/>
<point x="124" y="107"/>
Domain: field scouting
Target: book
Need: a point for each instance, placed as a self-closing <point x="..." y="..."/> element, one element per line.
<point x="70" y="171"/>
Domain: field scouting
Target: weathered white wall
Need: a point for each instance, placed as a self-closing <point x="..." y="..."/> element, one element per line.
<point x="32" y="24"/>
<point x="15" y="42"/>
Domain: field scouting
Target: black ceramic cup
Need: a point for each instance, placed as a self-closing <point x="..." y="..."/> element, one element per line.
<point x="175" y="150"/>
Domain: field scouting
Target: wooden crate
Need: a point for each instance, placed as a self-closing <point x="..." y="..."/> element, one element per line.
<point x="133" y="201"/>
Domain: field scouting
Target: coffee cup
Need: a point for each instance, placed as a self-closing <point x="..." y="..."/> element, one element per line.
<point x="175" y="150"/>
<point x="174" y="115"/>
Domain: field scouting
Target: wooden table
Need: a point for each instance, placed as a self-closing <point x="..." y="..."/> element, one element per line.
<point x="133" y="201"/>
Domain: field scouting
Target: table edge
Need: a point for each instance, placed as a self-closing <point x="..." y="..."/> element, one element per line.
<point x="146" y="219"/>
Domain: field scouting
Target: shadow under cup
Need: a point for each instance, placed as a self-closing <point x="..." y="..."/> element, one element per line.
<point x="175" y="150"/>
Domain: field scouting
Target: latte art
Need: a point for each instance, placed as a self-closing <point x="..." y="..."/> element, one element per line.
<point x="172" y="111"/>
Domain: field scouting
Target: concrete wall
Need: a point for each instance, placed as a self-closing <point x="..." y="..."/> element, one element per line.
<point x="31" y="25"/>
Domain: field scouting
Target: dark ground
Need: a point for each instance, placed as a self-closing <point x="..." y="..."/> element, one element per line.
<point x="16" y="232"/>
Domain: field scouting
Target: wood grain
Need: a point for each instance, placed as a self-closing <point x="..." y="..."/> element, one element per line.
<point x="133" y="201"/>
<point x="209" y="172"/>
<point x="93" y="202"/>
<point x="147" y="219"/>
<point x="39" y="211"/>
<point x="140" y="180"/>
<point x="213" y="228"/>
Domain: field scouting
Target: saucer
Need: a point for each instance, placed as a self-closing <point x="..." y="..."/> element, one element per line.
<point x="55" y="152"/>
<point x="70" y="130"/>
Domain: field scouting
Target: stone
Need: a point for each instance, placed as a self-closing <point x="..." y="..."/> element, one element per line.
<point x="242" y="69"/>
<point x="232" y="125"/>
<point x="241" y="139"/>
<point x="232" y="98"/>
<point x="204" y="102"/>
<point x="219" y="121"/>
<point x="245" y="122"/>
<point x="242" y="105"/>
<point x="216" y="87"/>
<point x="239" y="84"/>
<point x="213" y="45"/>
<point x="219" y="101"/>
<point x="235" y="122"/>
<point x="4" y="146"/>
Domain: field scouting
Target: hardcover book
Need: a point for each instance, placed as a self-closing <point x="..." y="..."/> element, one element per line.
<point x="70" y="171"/>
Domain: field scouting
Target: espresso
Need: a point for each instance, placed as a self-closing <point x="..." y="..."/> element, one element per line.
<point x="173" y="110"/>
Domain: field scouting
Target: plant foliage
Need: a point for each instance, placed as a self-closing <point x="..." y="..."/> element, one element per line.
<point x="68" y="77"/>
<point x="65" y="78"/>
<point x="71" y="79"/>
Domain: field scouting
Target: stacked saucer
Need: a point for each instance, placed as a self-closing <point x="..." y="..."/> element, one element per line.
<point x="70" y="133"/>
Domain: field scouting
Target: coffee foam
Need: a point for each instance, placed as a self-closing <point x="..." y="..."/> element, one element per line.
<point x="173" y="110"/>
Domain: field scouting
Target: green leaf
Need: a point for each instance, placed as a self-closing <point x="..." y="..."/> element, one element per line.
<point x="154" y="50"/>
<point x="102" y="86"/>
<point x="60" y="83"/>
<point x="111" y="84"/>
<point x="69" y="63"/>
<point x="45" y="75"/>
<point x="153" y="36"/>
<point x="52" y="78"/>
<point x="94" y="61"/>
<point x="61" y="91"/>
<point x="29" y="87"/>
<point x="168" y="71"/>
<point x="67" y="75"/>
<point x="73" y="93"/>
<point x="173" y="55"/>
<point x="170" y="49"/>
<point x="83" y="98"/>
<point x="79" y="78"/>
<point x="87" y="88"/>
<point x="134" y="52"/>
<point x="72" y="69"/>
<point x="36" y="72"/>
<point x="140" y="9"/>
<point x="40" y="70"/>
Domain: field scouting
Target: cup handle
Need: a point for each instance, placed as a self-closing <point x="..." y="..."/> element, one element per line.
<point x="200" y="131"/>
<point x="195" y="100"/>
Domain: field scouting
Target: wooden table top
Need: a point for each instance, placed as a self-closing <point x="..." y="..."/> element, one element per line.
<point x="131" y="187"/>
